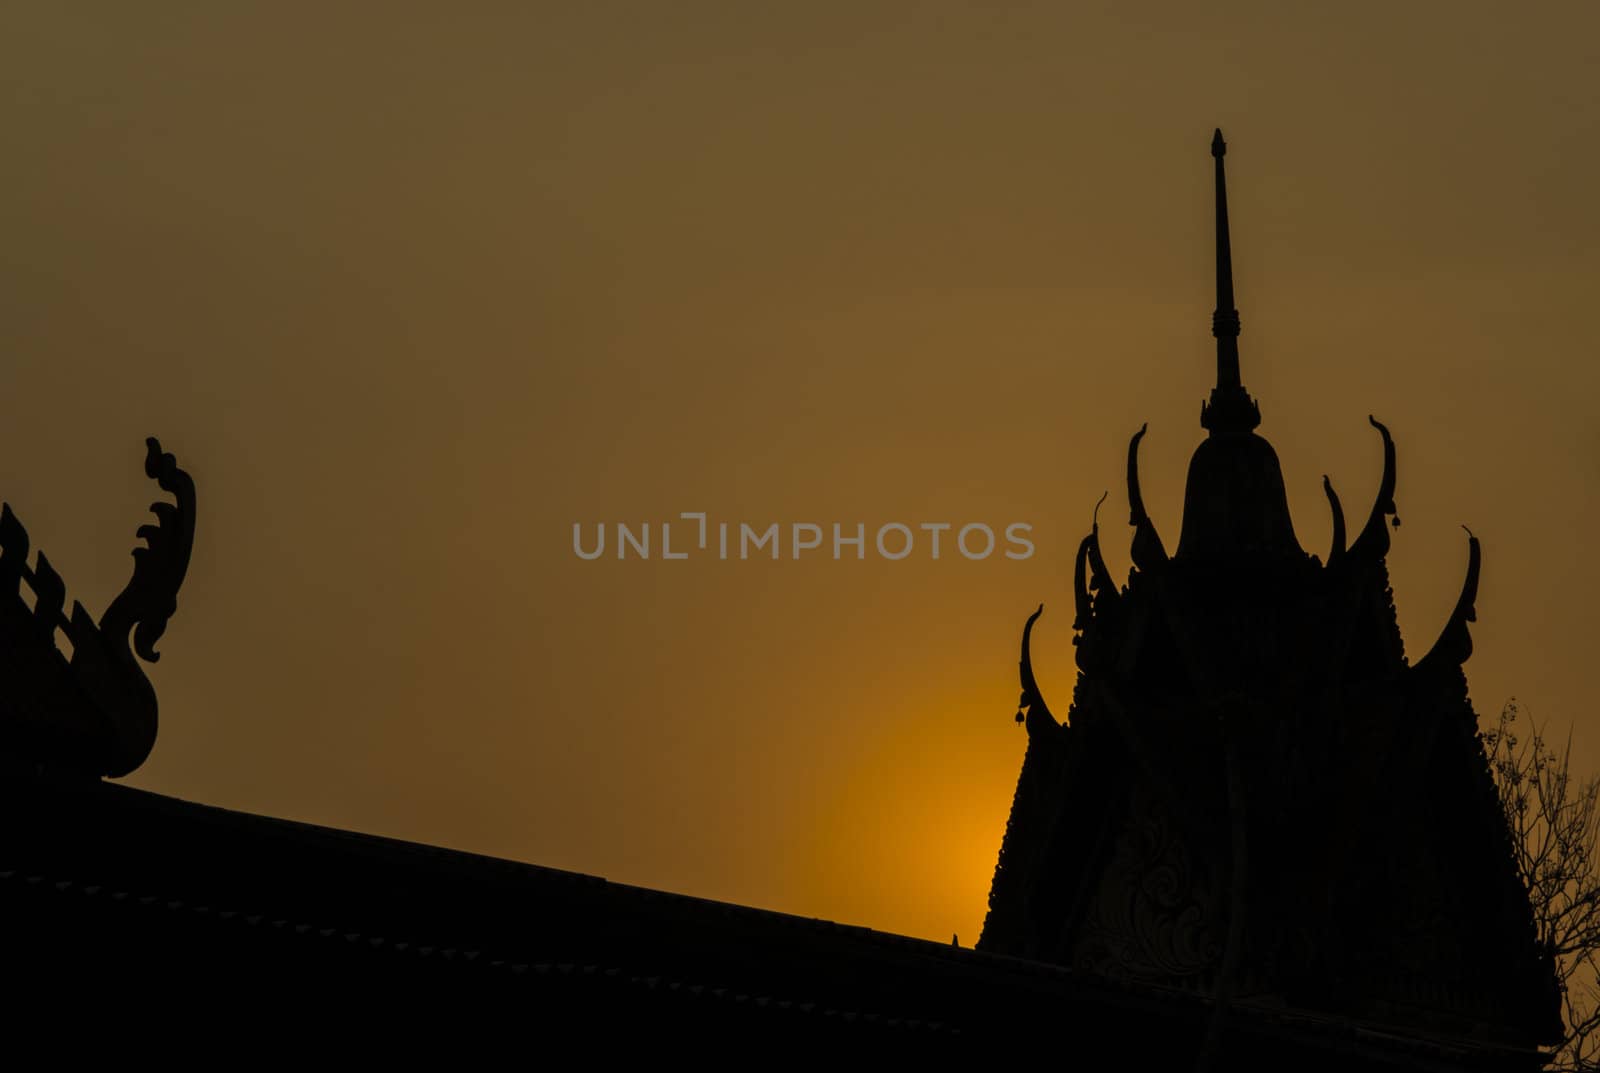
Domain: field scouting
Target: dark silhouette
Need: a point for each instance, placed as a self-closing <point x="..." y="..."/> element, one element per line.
<point x="1260" y="839"/>
<point x="94" y="714"/>
<point x="1255" y="797"/>
<point x="1554" y="816"/>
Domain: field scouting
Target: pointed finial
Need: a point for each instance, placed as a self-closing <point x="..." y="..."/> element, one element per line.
<point x="1230" y="409"/>
<point x="1225" y="321"/>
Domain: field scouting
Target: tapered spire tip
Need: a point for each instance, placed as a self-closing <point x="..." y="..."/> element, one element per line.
<point x="1230" y="410"/>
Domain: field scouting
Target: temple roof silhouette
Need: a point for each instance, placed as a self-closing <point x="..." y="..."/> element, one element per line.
<point x="225" y="913"/>
<point x="1255" y="796"/>
<point x="1209" y="862"/>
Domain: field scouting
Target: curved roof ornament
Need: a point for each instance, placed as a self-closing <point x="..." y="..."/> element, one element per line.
<point x="1091" y="579"/>
<point x="1100" y="580"/>
<point x="1454" y="645"/>
<point x="1031" y="707"/>
<point x="96" y="712"/>
<point x="151" y="596"/>
<point x="1336" y="549"/>
<point x="1373" y="543"/>
<point x="1082" y="602"/>
<point x="1148" y="551"/>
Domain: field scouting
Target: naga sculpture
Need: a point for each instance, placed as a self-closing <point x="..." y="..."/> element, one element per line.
<point x="95" y="712"/>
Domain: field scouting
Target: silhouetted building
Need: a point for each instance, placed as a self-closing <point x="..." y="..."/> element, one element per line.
<point x="1255" y="797"/>
<point x="1262" y="841"/>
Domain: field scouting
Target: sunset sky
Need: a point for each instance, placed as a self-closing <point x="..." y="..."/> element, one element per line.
<point x="411" y="289"/>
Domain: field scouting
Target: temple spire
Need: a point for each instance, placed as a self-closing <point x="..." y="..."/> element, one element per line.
<point x="1225" y="321"/>
<point x="1230" y="410"/>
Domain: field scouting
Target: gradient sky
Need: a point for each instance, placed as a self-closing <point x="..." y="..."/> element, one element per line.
<point x="412" y="288"/>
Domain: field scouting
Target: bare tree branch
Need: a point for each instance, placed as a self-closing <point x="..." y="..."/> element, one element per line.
<point x="1555" y="824"/>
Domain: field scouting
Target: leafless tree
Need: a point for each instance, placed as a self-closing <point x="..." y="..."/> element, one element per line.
<point x="1555" y="824"/>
